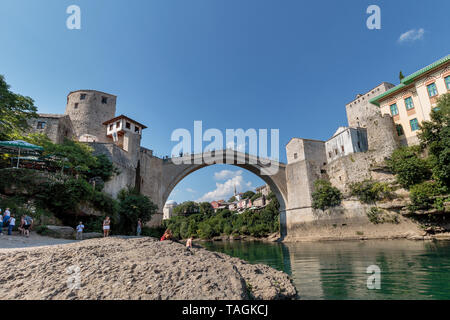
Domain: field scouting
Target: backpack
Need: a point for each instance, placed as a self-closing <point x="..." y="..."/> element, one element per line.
<point x="28" y="220"/>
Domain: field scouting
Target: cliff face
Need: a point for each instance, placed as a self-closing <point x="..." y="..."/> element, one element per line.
<point x="144" y="268"/>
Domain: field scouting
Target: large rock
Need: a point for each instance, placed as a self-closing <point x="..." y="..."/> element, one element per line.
<point x="92" y="235"/>
<point x="60" y="232"/>
<point x="139" y="268"/>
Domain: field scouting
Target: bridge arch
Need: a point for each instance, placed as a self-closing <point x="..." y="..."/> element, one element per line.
<point x="173" y="173"/>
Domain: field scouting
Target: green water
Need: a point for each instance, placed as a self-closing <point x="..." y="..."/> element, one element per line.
<point x="337" y="270"/>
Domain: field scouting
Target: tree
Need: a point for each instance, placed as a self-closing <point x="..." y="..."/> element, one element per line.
<point x="206" y="208"/>
<point x="435" y="136"/>
<point x="133" y="206"/>
<point x="248" y="195"/>
<point x="325" y="195"/>
<point x="15" y="110"/>
<point x="409" y="168"/>
<point x="232" y="199"/>
<point x="188" y="207"/>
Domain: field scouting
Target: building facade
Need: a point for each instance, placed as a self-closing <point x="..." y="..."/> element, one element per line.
<point x="411" y="102"/>
<point x="346" y="141"/>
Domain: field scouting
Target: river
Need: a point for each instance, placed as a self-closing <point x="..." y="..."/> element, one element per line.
<point x="338" y="270"/>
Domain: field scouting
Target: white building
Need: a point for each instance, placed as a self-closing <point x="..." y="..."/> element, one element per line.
<point x="168" y="209"/>
<point x="345" y="141"/>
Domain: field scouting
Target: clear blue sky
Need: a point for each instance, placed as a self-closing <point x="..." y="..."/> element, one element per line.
<point x="291" y="64"/>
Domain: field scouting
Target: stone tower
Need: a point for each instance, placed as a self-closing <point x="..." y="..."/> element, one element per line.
<point x="360" y="109"/>
<point x="88" y="110"/>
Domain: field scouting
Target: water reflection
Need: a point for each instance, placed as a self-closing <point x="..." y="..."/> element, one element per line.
<point x="337" y="270"/>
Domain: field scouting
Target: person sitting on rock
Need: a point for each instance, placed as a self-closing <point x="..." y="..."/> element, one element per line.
<point x="167" y="235"/>
<point x="21" y="229"/>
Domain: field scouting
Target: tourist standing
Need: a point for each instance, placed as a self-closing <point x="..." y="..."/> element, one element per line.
<point x="6" y="217"/>
<point x="27" y="224"/>
<point x="1" y="223"/>
<point x="80" y="228"/>
<point x="139" y="227"/>
<point x="12" y="223"/>
<point x="21" y="226"/>
<point x="106" y="227"/>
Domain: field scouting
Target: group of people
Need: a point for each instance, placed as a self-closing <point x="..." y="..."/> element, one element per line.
<point x="7" y="220"/>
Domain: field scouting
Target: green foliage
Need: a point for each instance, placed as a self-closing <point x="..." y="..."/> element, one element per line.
<point x="325" y="195"/>
<point x="103" y="168"/>
<point x="435" y="136"/>
<point x="224" y="222"/>
<point x="156" y="232"/>
<point x="15" y="110"/>
<point x="409" y="168"/>
<point x="186" y="208"/>
<point x="256" y="196"/>
<point x="423" y="196"/>
<point x="248" y="195"/>
<point x="369" y="191"/>
<point x="133" y="206"/>
<point x="42" y="230"/>
<point x="206" y="208"/>
<point x="378" y="216"/>
<point x="232" y="199"/>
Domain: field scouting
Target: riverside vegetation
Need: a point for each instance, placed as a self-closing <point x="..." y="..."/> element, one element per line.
<point x="200" y="220"/>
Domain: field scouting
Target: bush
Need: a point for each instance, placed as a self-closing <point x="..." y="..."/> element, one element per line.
<point x="369" y="191"/>
<point x="133" y="206"/>
<point x="378" y="216"/>
<point x="325" y="195"/>
<point x="423" y="196"/>
<point x="409" y="168"/>
<point x="42" y="230"/>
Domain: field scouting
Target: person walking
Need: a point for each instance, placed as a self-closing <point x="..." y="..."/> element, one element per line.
<point x="106" y="226"/>
<point x="80" y="228"/>
<point x="1" y="223"/>
<point x="11" y="225"/>
<point x="139" y="228"/>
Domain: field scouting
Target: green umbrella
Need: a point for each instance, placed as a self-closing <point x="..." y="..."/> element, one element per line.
<point x="20" y="145"/>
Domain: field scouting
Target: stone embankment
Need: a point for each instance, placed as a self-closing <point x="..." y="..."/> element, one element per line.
<point x="140" y="268"/>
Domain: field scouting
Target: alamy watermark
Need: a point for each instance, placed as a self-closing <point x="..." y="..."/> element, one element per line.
<point x="374" y="280"/>
<point x="373" y="22"/>
<point x="74" y="19"/>
<point x="74" y="278"/>
<point x="239" y="147"/>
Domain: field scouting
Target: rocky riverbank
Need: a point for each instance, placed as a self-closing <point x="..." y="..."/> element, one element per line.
<point x="142" y="268"/>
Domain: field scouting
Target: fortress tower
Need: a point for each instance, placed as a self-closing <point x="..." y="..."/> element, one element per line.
<point x="88" y="110"/>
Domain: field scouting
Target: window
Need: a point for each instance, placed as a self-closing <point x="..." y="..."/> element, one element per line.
<point x="82" y="96"/>
<point x="295" y="156"/>
<point x="414" y="124"/>
<point x="104" y="100"/>
<point x="409" y="103"/>
<point x="400" y="131"/>
<point x="329" y="154"/>
<point x="128" y="125"/>
<point x="394" y="109"/>
<point x="111" y="126"/>
<point x="336" y="151"/>
<point x="75" y="106"/>
<point x="432" y="90"/>
<point x="359" y="145"/>
<point x="41" y="124"/>
<point x="118" y="124"/>
<point x="136" y="129"/>
<point x="447" y="82"/>
<point x="342" y="148"/>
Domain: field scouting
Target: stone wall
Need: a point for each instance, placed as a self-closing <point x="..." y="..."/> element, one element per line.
<point x="57" y="126"/>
